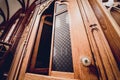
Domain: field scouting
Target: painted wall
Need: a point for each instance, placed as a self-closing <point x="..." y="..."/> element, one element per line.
<point x="3" y="8"/>
<point x="13" y="6"/>
<point x="31" y="1"/>
<point x="1" y="19"/>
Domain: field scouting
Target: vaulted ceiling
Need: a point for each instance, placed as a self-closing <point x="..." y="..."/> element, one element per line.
<point x="9" y="7"/>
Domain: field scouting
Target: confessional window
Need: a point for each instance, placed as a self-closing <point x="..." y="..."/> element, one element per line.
<point x="44" y="47"/>
<point x="62" y="54"/>
<point x="39" y="62"/>
<point x="41" y="53"/>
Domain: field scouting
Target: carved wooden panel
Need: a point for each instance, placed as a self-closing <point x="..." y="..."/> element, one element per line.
<point x="101" y="50"/>
<point x="110" y="29"/>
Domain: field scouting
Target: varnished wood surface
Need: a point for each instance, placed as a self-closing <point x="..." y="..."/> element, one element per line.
<point x="21" y="51"/>
<point x="29" y="76"/>
<point x="31" y="39"/>
<point x="80" y="44"/>
<point x="109" y="28"/>
<point x="116" y="15"/>
<point x="67" y="75"/>
<point x="35" y="52"/>
<point x="36" y="46"/>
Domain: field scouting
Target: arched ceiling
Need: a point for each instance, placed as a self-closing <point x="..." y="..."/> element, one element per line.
<point x="10" y="7"/>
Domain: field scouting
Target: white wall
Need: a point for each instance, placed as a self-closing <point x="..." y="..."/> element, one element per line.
<point x="3" y="7"/>
<point x="14" y="6"/>
<point x="31" y="1"/>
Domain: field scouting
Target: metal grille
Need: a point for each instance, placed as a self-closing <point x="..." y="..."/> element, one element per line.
<point x="61" y="7"/>
<point x="62" y="56"/>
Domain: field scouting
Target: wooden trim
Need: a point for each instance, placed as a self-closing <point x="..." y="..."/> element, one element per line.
<point x="40" y="70"/>
<point x="48" y="23"/>
<point x="8" y="24"/>
<point x="108" y="16"/>
<point x="31" y="40"/>
<point x="28" y="51"/>
<point x="21" y="48"/>
<point x="115" y="12"/>
<point x="52" y="41"/>
<point x="62" y="74"/>
<point x="11" y="31"/>
<point x="29" y="76"/>
<point x="35" y="52"/>
<point x="99" y="43"/>
<point x="111" y="31"/>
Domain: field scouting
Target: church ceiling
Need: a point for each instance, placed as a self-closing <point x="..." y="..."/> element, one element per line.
<point x="9" y="7"/>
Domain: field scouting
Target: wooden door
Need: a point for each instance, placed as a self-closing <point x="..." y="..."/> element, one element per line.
<point x="88" y="53"/>
<point x="70" y="54"/>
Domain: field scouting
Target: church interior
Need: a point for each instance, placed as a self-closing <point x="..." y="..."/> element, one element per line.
<point x="59" y="39"/>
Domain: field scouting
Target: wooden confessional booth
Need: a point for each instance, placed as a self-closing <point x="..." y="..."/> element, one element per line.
<point x="68" y="40"/>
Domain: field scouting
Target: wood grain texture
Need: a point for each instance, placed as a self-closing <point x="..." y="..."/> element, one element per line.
<point x="59" y="74"/>
<point x="28" y="50"/>
<point x="102" y="45"/>
<point x="31" y="40"/>
<point x="116" y="14"/>
<point x="109" y="30"/>
<point x="80" y="44"/>
<point x="29" y="76"/>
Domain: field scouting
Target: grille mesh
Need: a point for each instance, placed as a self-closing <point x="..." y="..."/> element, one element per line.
<point x="61" y="7"/>
<point x="62" y="56"/>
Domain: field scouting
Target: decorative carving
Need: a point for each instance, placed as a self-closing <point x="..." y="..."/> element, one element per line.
<point x="93" y="27"/>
